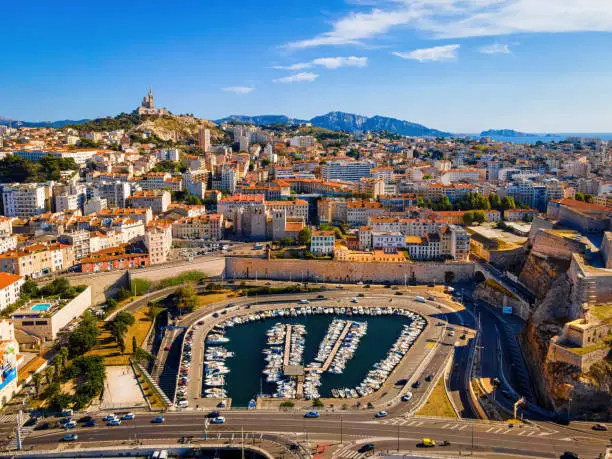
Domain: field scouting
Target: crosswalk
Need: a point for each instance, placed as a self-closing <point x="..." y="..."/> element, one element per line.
<point x="460" y="426"/>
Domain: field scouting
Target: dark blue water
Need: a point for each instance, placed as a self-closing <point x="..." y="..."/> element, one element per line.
<point x="247" y="342"/>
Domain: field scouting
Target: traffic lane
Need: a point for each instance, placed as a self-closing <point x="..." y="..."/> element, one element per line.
<point x="482" y="440"/>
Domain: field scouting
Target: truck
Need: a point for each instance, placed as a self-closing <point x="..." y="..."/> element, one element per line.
<point x="420" y="299"/>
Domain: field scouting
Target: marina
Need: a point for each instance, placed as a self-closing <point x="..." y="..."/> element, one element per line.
<point x="329" y="351"/>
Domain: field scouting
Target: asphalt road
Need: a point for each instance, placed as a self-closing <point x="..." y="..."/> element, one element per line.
<point x="356" y="429"/>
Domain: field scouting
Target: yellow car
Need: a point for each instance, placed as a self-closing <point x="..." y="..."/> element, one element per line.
<point x="428" y="443"/>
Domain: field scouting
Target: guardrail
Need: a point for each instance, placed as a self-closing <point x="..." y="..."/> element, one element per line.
<point x="447" y="372"/>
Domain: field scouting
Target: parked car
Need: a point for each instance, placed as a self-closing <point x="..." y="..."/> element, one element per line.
<point x="600" y="427"/>
<point x="416" y="384"/>
<point x="407" y="396"/>
<point x="128" y="416"/>
<point x="213" y="414"/>
<point x="115" y="422"/>
<point x="42" y="426"/>
<point x="70" y="425"/>
<point x="90" y="423"/>
<point x="109" y="417"/>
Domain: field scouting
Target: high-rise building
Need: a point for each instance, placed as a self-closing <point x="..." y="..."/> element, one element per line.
<point x="25" y="199"/>
<point x="204" y="137"/>
<point x="347" y="170"/>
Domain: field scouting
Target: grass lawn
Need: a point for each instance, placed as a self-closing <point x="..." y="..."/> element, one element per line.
<point x="210" y="298"/>
<point x="438" y="403"/>
<point x="30" y="368"/>
<point x="107" y="347"/>
<point x="602" y="312"/>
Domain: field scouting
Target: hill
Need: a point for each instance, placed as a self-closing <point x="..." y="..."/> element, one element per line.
<point x="348" y="122"/>
<point x="166" y="128"/>
<point x="505" y="133"/>
<point x="40" y="124"/>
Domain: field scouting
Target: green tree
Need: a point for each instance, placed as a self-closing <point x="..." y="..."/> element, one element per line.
<point x="83" y="338"/>
<point x="29" y="289"/>
<point x="494" y="201"/>
<point x="317" y="403"/>
<point x="468" y="218"/>
<point x="187" y="298"/>
<point x="60" y="401"/>
<point x="119" y="327"/>
<point x="479" y="216"/>
<point x="37" y="380"/>
<point x="304" y="236"/>
<point x="589" y="198"/>
<point x="507" y="203"/>
<point x="134" y="345"/>
<point x="579" y="196"/>
<point x="49" y="374"/>
<point x="142" y="356"/>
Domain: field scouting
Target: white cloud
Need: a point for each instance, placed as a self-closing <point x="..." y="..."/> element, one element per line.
<point x="297" y="78"/>
<point x="466" y="18"/>
<point x="241" y="90"/>
<point x="495" y="48"/>
<point x="435" y="54"/>
<point x="329" y="63"/>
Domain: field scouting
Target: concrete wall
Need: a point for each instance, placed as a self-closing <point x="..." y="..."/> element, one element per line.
<point x="210" y="266"/>
<point x="557" y="353"/>
<point x="591" y="285"/>
<point x="103" y="285"/>
<point x="341" y="271"/>
<point x="556" y="246"/>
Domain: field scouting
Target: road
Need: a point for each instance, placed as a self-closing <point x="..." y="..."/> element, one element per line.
<point x="355" y="428"/>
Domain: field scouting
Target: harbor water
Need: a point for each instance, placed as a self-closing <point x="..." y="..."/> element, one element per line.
<point x="247" y="342"/>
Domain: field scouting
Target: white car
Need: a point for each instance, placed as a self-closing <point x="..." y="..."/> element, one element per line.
<point x="407" y="396"/>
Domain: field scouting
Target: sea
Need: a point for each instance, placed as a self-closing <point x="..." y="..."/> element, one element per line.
<point x="545" y="137"/>
<point x="248" y="341"/>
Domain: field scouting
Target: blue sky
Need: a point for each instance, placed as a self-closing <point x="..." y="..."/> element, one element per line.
<point x="455" y="65"/>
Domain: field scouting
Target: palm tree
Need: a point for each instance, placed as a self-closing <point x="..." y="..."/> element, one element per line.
<point x="37" y="381"/>
<point x="64" y="353"/>
<point x="49" y="374"/>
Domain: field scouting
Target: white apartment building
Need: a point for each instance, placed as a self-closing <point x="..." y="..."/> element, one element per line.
<point x="322" y="242"/>
<point x="347" y="170"/>
<point x="7" y="243"/>
<point x="25" y="199"/>
<point x="455" y="175"/>
<point x="167" y="154"/>
<point x="79" y="156"/>
<point x="207" y="227"/>
<point x="10" y="289"/>
<point x="388" y="240"/>
<point x="302" y="141"/>
<point x="156" y="200"/>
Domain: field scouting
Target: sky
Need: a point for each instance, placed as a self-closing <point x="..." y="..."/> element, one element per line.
<point x="455" y="65"/>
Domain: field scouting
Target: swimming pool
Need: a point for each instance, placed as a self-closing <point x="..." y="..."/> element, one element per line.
<point x="41" y="307"/>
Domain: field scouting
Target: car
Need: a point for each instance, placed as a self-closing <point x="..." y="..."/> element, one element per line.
<point x="215" y="315"/>
<point x="312" y="414"/>
<point x="600" y="427"/>
<point x="428" y="443"/>
<point x="42" y="426"/>
<point x="128" y="416"/>
<point x="158" y="420"/>
<point x="114" y="422"/>
<point x="85" y="419"/>
<point x="70" y="437"/>
<point x="462" y="336"/>
<point x="90" y="423"/>
<point x="354" y="300"/>
<point x="407" y="396"/>
<point x="213" y="414"/>
<point x="109" y="417"/>
<point x="428" y="378"/>
<point x="367" y="447"/>
<point x="218" y="420"/>
<point x="268" y="284"/>
<point x="304" y="301"/>
<point x="70" y="425"/>
<point x="381" y="414"/>
<point x="339" y="286"/>
<point x="321" y="297"/>
<point x="570" y="455"/>
<point x="416" y="384"/>
<point x="445" y="443"/>
<point x="201" y="322"/>
<point x="431" y="284"/>
<point x="31" y="421"/>
<point x="224" y="312"/>
<point x="64" y="420"/>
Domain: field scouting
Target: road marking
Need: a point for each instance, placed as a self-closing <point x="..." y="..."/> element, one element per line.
<point x="420" y="423"/>
<point x="462" y="427"/>
<point x="530" y="433"/>
<point x="490" y="429"/>
<point x="445" y="426"/>
<point x="523" y="432"/>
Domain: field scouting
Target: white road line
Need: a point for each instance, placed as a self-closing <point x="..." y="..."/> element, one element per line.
<point x="445" y="426"/>
<point x="420" y="423"/>
<point x="490" y="429"/>
<point x="530" y="433"/>
<point x="464" y="426"/>
<point x="521" y="433"/>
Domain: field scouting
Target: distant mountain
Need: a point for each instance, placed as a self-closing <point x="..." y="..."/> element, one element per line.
<point x="260" y="120"/>
<point x="340" y="121"/>
<point x="39" y="124"/>
<point x="505" y="133"/>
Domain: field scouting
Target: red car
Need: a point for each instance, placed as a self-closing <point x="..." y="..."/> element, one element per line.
<point x="167" y="348"/>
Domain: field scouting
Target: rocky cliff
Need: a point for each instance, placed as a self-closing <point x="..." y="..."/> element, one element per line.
<point x="539" y="272"/>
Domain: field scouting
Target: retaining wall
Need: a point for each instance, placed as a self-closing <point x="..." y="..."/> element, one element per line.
<point x="344" y="271"/>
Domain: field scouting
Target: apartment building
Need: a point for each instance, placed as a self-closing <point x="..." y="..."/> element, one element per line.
<point x="322" y="242"/>
<point x="207" y="227"/>
<point x="37" y="260"/>
<point x="25" y="199"/>
<point x="9" y="360"/>
<point x="156" y="200"/>
<point x="10" y="288"/>
<point x="351" y="171"/>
